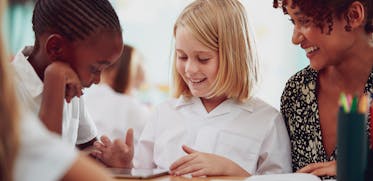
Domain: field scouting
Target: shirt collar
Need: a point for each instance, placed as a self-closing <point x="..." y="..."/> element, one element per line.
<point x="247" y="105"/>
<point x="224" y="107"/>
<point x="26" y="73"/>
<point x="184" y="101"/>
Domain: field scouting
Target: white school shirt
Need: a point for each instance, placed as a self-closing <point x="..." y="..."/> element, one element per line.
<point x="113" y="113"/>
<point x="77" y="126"/>
<point x="252" y="134"/>
<point x="42" y="156"/>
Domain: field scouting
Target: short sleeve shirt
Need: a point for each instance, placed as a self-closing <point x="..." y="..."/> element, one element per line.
<point x="77" y="126"/>
<point x="42" y="156"/>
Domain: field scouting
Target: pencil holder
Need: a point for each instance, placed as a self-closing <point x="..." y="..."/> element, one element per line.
<point x="369" y="170"/>
<point x="352" y="145"/>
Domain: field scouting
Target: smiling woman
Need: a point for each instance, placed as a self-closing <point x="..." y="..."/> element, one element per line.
<point x="337" y="37"/>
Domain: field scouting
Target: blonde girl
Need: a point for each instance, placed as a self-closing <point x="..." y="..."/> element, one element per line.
<point x="214" y="125"/>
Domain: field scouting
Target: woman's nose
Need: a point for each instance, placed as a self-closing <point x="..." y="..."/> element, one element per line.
<point x="297" y="37"/>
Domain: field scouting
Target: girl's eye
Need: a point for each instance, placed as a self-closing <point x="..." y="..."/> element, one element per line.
<point x="182" y="57"/>
<point x="203" y="60"/>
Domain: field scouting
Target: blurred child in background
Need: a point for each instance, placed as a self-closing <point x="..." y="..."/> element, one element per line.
<point x="112" y="103"/>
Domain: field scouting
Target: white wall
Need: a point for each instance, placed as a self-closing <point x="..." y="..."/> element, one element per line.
<point x="148" y="24"/>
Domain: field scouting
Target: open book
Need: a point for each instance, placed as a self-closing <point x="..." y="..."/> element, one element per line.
<point x="284" y="177"/>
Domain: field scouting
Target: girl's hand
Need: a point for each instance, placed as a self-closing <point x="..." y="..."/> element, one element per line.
<point x="118" y="154"/>
<point x="320" y="168"/>
<point x="205" y="164"/>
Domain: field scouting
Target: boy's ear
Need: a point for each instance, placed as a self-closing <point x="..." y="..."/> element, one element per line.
<point x="355" y="15"/>
<point x="56" y="47"/>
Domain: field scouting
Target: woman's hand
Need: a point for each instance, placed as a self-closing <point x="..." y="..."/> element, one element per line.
<point x="205" y="164"/>
<point x="320" y="168"/>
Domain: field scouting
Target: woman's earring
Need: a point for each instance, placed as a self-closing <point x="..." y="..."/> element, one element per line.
<point x="348" y="27"/>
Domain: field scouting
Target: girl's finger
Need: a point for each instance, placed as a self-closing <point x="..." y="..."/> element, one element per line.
<point x="187" y="170"/>
<point x="200" y="173"/>
<point x="182" y="161"/>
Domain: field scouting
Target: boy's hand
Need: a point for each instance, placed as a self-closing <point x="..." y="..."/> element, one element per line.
<point x="205" y="164"/>
<point x="118" y="154"/>
<point x="62" y="71"/>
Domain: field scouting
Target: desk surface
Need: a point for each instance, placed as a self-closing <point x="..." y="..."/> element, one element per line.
<point x="282" y="177"/>
<point x="179" y="178"/>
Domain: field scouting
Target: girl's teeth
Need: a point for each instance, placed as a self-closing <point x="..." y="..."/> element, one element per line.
<point x="197" y="81"/>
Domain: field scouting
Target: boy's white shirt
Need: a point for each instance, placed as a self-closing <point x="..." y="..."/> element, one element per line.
<point x="42" y="156"/>
<point x="113" y="113"/>
<point x="77" y="126"/>
<point x="251" y="134"/>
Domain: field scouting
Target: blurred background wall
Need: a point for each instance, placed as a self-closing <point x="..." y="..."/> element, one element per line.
<point x="147" y="25"/>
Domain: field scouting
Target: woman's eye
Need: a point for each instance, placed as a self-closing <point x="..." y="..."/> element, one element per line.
<point x="301" y="21"/>
<point x="304" y="21"/>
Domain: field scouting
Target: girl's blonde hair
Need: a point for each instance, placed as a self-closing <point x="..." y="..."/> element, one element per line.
<point x="9" y="140"/>
<point x="222" y="26"/>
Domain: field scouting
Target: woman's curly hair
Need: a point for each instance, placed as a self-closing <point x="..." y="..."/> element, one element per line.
<point x="322" y="11"/>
